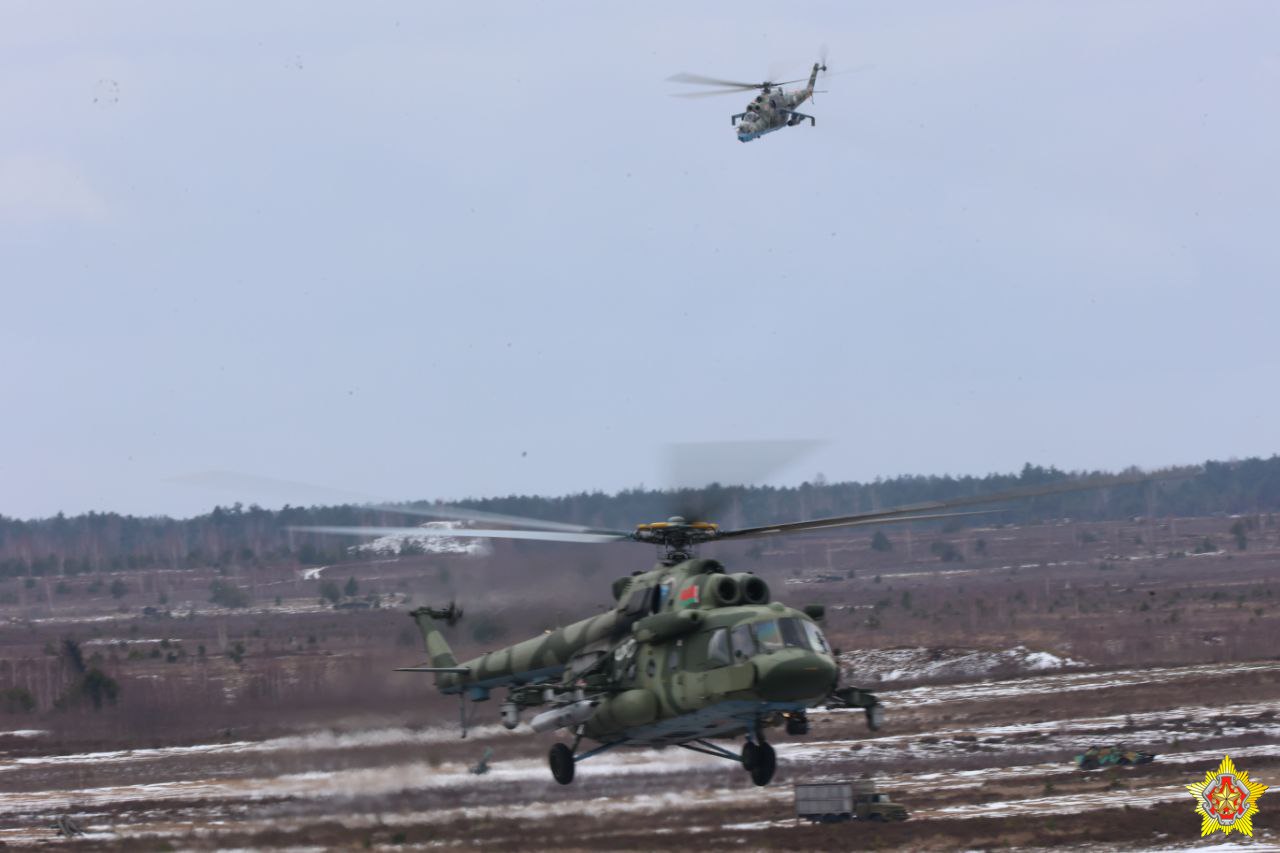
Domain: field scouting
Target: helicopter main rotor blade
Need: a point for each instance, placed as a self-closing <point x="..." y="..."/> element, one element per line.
<point x="251" y="487"/>
<point x="700" y="79"/>
<point x="544" y="535"/>
<point x="460" y="513"/>
<point x="708" y="94"/>
<point x="847" y="521"/>
<point x="913" y="512"/>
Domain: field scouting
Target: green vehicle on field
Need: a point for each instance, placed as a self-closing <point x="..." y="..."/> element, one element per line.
<point x="1114" y="755"/>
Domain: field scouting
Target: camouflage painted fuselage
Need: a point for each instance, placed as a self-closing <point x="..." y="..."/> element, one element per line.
<point x="774" y="109"/>
<point x="679" y="657"/>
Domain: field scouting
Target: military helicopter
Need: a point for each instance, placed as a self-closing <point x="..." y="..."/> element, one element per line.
<point x="689" y="653"/>
<point x="773" y="109"/>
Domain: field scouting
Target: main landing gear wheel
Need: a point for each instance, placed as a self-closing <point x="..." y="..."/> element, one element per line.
<point x="750" y="754"/>
<point x="764" y="764"/>
<point x="561" y="760"/>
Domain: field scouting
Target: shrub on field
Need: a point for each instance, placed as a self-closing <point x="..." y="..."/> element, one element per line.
<point x="946" y="552"/>
<point x="226" y="594"/>
<point x="330" y="592"/>
<point x="17" y="700"/>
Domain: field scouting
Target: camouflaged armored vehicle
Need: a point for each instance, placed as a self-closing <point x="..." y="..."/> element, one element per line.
<point x="1114" y="755"/>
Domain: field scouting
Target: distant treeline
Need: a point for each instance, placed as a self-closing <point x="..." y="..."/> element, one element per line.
<point x="240" y="536"/>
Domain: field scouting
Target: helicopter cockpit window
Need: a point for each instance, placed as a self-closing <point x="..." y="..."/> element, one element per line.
<point x="673" y="656"/>
<point x="718" y="649"/>
<point x="707" y="651"/>
<point x="642" y="601"/>
<point x="817" y="642"/>
<point x="768" y="637"/>
<point x="793" y="636"/>
<point x="744" y="645"/>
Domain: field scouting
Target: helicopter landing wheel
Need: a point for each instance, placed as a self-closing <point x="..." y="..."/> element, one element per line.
<point x="562" y="764"/>
<point x="750" y="755"/>
<point x="766" y="761"/>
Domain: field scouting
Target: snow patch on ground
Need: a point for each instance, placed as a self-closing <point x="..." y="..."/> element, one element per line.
<point x="901" y="664"/>
<point x="315" y="741"/>
<point x="933" y="694"/>
<point x="427" y="542"/>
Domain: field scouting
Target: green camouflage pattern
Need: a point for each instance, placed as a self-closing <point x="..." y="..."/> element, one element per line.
<point x="653" y="659"/>
<point x="1111" y="756"/>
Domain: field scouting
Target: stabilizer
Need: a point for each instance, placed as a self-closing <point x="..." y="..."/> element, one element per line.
<point x="813" y="75"/>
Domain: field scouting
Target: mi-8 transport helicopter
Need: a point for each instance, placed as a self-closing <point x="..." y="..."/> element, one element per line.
<point x="773" y="109"/>
<point x="689" y="653"/>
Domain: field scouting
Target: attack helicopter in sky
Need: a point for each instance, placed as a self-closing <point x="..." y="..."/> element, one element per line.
<point x="690" y="652"/>
<point x="773" y="109"/>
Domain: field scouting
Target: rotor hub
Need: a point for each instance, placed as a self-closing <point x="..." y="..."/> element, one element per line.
<point x="677" y="535"/>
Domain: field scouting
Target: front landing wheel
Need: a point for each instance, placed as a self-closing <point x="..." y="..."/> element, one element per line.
<point x="766" y="761"/>
<point x="561" y="760"/>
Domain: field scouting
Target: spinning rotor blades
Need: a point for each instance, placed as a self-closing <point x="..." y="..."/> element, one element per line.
<point x="459" y="513"/>
<point x="677" y="536"/>
<point x="915" y="512"/>
<point x="464" y="533"/>
<point x="730" y="86"/>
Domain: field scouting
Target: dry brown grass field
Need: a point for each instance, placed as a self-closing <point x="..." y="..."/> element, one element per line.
<point x="281" y="725"/>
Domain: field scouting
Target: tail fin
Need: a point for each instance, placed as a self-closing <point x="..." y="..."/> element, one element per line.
<point x="438" y="652"/>
<point x="813" y="75"/>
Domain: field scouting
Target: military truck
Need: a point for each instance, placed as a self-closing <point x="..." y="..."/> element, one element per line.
<point x="833" y="802"/>
<point x="1111" y="756"/>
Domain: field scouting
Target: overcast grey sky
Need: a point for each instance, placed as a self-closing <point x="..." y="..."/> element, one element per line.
<point x="447" y="250"/>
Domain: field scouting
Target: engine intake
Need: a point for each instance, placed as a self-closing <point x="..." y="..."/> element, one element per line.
<point x="724" y="590"/>
<point x="754" y="589"/>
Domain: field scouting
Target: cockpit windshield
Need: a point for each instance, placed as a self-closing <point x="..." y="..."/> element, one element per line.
<point x="767" y="636"/>
<point x="789" y="633"/>
<point x="817" y="642"/>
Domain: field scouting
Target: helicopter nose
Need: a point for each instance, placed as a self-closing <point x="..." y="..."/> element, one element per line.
<point x="803" y="677"/>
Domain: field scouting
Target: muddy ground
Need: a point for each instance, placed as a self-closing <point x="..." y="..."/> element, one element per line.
<point x="280" y="725"/>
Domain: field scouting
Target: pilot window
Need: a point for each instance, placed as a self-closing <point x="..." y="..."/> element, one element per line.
<point x="817" y="642"/>
<point x="673" y="655"/>
<point x="768" y="638"/>
<point x="792" y="634"/>
<point x="718" y="649"/>
<point x="744" y="645"/>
